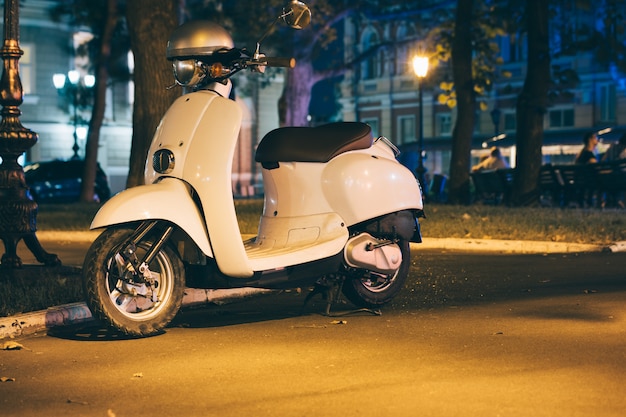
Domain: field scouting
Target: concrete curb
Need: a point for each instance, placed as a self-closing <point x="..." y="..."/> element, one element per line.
<point x="31" y="323"/>
<point x="77" y="313"/>
<point x="509" y="246"/>
<point x="73" y="236"/>
<point x="38" y="321"/>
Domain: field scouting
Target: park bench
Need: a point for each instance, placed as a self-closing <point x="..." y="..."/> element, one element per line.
<point x="578" y="185"/>
<point x="493" y="186"/>
<point x="610" y="182"/>
<point x="550" y="186"/>
<point x="590" y="185"/>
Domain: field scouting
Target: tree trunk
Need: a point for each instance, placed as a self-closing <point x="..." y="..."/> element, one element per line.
<point x="299" y="83"/>
<point x="150" y="23"/>
<point x="97" y="113"/>
<point x="458" y="192"/>
<point x="531" y="106"/>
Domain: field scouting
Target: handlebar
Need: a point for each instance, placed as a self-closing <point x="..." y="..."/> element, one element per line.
<point x="279" y="62"/>
<point x="225" y="63"/>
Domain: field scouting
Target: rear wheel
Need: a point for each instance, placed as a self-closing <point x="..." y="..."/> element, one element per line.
<point x="372" y="289"/>
<point x="123" y="300"/>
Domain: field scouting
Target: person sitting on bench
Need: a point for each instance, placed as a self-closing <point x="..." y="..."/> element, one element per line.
<point x="495" y="160"/>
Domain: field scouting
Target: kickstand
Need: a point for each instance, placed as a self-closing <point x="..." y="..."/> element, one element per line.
<point x="331" y="292"/>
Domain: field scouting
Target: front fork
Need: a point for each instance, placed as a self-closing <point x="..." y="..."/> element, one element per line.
<point x="126" y="254"/>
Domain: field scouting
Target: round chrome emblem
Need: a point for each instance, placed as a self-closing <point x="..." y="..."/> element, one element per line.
<point x="163" y="161"/>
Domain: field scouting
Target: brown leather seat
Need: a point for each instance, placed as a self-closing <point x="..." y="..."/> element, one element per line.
<point x="313" y="144"/>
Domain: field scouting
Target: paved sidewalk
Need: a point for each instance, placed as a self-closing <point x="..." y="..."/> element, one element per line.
<point x="39" y="321"/>
<point x="50" y="238"/>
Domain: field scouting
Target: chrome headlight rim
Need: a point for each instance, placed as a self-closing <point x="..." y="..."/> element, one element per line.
<point x="188" y="72"/>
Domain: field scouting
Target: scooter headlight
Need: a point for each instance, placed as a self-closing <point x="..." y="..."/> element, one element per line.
<point x="188" y="72"/>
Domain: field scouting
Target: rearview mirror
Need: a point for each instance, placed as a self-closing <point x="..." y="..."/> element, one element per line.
<point x="296" y="15"/>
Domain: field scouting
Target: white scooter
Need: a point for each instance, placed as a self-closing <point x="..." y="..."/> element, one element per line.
<point x="338" y="207"/>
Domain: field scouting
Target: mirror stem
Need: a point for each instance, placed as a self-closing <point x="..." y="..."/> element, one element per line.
<point x="257" y="52"/>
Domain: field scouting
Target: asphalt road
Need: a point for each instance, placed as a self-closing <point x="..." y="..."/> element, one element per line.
<point x="471" y="335"/>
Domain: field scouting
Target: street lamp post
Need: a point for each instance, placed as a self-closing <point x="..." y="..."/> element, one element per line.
<point x="18" y="212"/>
<point x="420" y="67"/>
<point x="76" y="86"/>
<point x="495" y="118"/>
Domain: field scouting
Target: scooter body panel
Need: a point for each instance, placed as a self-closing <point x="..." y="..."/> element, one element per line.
<point x="146" y="202"/>
<point x="309" y="206"/>
<point x="201" y="129"/>
<point x="288" y="241"/>
<point x="361" y="185"/>
<point x="357" y="185"/>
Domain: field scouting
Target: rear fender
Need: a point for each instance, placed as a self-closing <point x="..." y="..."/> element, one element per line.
<point x="169" y="199"/>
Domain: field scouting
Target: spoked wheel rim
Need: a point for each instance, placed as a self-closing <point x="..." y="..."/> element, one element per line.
<point x="371" y="289"/>
<point x="376" y="282"/>
<point x="138" y="301"/>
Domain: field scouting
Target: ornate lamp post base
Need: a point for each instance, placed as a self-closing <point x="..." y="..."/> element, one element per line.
<point x="18" y="217"/>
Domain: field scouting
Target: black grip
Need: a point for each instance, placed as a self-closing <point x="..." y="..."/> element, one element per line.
<point x="279" y="62"/>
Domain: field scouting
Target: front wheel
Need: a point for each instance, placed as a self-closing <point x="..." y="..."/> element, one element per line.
<point x="132" y="305"/>
<point x="370" y="289"/>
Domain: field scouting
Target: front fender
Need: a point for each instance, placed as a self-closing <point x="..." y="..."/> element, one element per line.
<point x="168" y="199"/>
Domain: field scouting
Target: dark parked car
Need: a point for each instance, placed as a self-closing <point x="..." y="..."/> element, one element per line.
<point x="59" y="181"/>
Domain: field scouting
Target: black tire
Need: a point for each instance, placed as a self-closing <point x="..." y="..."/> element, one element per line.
<point x="370" y="290"/>
<point x="131" y="314"/>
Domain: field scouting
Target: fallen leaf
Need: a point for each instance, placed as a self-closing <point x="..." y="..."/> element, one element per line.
<point x="339" y="322"/>
<point x="12" y="346"/>
<point x="6" y="379"/>
<point x="138" y="375"/>
<point x="70" y="401"/>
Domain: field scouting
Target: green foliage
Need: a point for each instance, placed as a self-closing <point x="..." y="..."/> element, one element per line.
<point x="487" y="26"/>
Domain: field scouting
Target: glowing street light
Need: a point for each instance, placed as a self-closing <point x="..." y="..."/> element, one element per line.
<point x="420" y="67"/>
<point x="74" y="84"/>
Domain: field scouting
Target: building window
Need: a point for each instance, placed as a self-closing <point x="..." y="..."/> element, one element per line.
<point x="373" y="124"/>
<point x="561" y="118"/>
<point x="444" y="124"/>
<point x="513" y="48"/>
<point x="510" y="122"/>
<point x="606" y="102"/>
<point x="406" y="129"/>
<point x="403" y="59"/>
<point x="26" y="68"/>
<point x="371" y="68"/>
